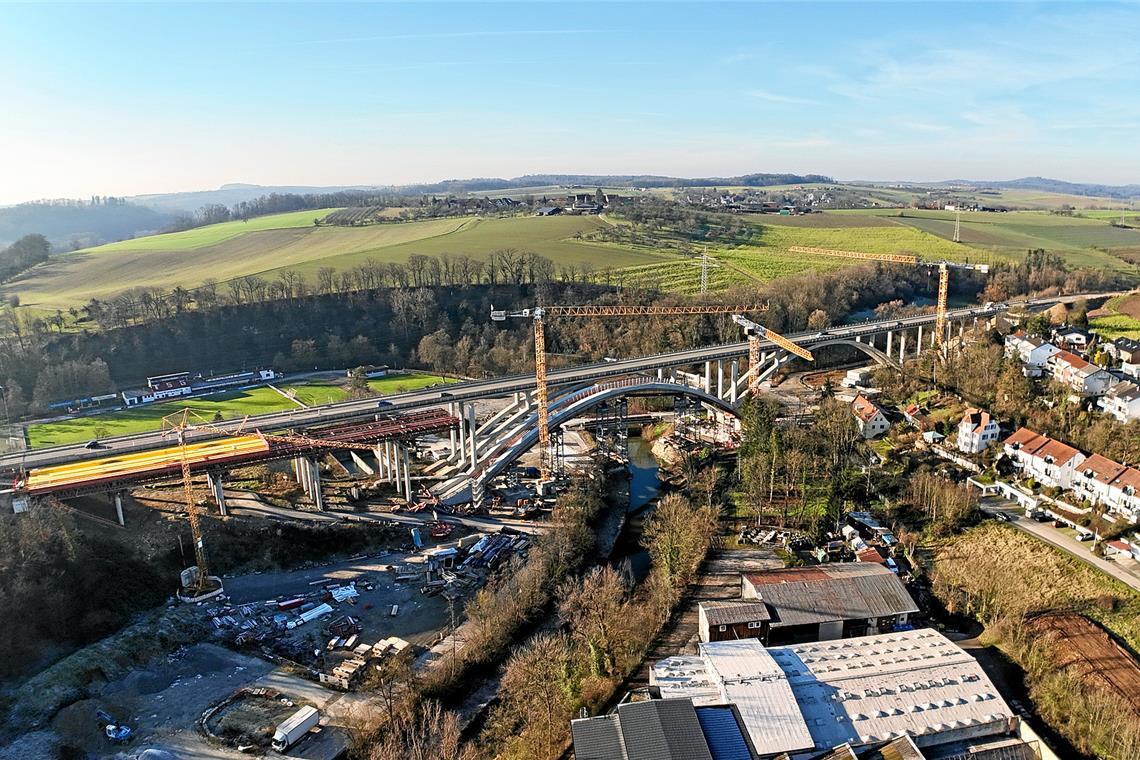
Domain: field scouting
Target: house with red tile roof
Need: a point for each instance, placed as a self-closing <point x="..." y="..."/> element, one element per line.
<point x="977" y="431"/>
<point x="870" y="417"/>
<point x="1048" y="461"/>
<point x="1082" y="376"/>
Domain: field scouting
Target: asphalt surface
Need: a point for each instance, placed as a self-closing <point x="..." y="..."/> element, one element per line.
<point x="477" y="389"/>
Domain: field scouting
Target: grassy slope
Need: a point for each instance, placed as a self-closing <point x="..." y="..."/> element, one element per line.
<point x="214" y="233"/>
<point x="231" y="404"/>
<point x="222" y="254"/>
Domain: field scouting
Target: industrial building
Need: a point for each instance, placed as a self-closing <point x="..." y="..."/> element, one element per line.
<point x="662" y="729"/>
<point x="865" y="692"/>
<point x="824" y="602"/>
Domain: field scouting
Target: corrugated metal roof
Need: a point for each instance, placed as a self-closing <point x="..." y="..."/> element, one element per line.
<point x="597" y="738"/>
<point x="723" y="733"/>
<point x="854" y="591"/>
<point x="662" y="729"/>
<point x="732" y="611"/>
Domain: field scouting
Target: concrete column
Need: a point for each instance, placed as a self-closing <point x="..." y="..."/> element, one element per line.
<point x="452" y="432"/>
<point x="732" y="381"/>
<point x="378" y="453"/>
<point x="474" y="446"/>
<point x="394" y="464"/>
<point x="119" y="508"/>
<point x="720" y="378"/>
<point x="217" y="489"/>
<point x="408" y="476"/>
<point x="315" y="492"/>
<point x="708" y="377"/>
<point x="361" y="464"/>
<point x="890" y="341"/>
<point x="918" y="350"/>
<point x="660" y="374"/>
<point x="462" y="434"/>
<point x="902" y="347"/>
<point x="858" y="338"/>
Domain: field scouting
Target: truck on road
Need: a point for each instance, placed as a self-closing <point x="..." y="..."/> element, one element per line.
<point x="294" y="727"/>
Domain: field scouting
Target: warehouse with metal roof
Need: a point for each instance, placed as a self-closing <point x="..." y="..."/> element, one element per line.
<point x="662" y="729"/>
<point x="863" y="691"/>
<point x="825" y="602"/>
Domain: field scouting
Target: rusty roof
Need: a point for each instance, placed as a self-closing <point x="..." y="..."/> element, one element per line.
<point x="823" y="593"/>
<point x="1026" y="440"/>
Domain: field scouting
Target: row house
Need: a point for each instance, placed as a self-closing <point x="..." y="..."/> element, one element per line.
<point x="1048" y="461"/>
<point x="1084" y="377"/>
<point x="1102" y="481"/>
<point x="1033" y="352"/>
<point x="1122" y="401"/>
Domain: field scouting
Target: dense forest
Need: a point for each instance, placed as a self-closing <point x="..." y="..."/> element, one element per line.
<point x="25" y="253"/>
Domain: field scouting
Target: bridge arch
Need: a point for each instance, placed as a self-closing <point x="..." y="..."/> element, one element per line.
<point x="881" y="357"/>
<point x="576" y="404"/>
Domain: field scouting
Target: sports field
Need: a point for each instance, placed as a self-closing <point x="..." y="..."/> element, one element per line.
<point x="230" y="405"/>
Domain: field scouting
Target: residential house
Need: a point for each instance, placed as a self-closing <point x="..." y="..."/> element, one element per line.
<point x="1084" y="377"/>
<point x="870" y="417"/>
<point x="1094" y="477"/>
<point x="1048" y="461"/>
<point x="977" y="431"/>
<point x="1072" y="337"/>
<point x="1127" y="350"/>
<point x="1033" y="352"/>
<point x="1122" y="401"/>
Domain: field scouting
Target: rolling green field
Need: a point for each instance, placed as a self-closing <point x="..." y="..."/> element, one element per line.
<point x="267" y="246"/>
<point x="230" y="405"/>
<point x="188" y="259"/>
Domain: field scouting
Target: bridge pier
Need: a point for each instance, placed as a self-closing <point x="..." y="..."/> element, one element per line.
<point x="452" y="433"/>
<point x="462" y="460"/>
<point x="474" y="444"/>
<point x="708" y="377"/>
<point x="735" y="369"/>
<point x="217" y="489"/>
<point x="408" y="476"/>
<point x="309" y="477"/>
<point x="902" y="347"/>
<point x="890" y="341"/>
<point x="918" y="348"/>
<point x="394" y="466"/>
<point x="119" y="508"/>
<point x="720" y="378"/>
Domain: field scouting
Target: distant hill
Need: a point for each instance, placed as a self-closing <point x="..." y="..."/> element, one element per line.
<point x="228" y="195"/>
<point x="74" y="224"/>
<point x="1044" y="184"/>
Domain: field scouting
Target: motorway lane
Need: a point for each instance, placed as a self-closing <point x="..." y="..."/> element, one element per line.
<point x="477" y="389"/>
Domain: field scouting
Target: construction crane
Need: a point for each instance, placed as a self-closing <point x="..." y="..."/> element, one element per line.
<point x="539" y="315"/>
<point x="943" y="265"/>
<point x="755" y="334"/>
<point x="178" y="424"/>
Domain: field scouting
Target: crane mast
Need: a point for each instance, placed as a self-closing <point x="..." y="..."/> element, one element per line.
<point x="539" y="314"/>
<point x="756" y="333"/>
<point x="944" y="268"/>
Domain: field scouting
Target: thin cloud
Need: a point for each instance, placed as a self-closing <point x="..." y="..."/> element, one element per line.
<point x="775" y="97"/>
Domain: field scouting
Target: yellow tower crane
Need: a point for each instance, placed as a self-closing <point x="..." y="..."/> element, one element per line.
<point x="178" y="424"/>
<point x="944" y="268"/>
<point x="755" y="334"/>
<point x="539" y="315"/>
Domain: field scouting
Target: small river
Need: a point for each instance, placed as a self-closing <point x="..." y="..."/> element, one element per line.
<point x="644" y="490"/>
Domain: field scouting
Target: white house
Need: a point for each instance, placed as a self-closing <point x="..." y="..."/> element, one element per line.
<point x="1084" y="377"/>
<point x="1071" y="337"/>
<point x="872" y="421"/>
<point x="977" y="431"/>
<point x="1122" y="401"/>
<point x="1117" y="486"/>
<point x="1127" y="350"/>
<point x="1033" y="353"/>
<point x="1048" y="461"/>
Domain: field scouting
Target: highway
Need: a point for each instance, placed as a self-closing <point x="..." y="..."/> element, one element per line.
<point x="501" y="386"/>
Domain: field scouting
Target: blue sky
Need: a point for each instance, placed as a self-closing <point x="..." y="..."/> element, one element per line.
<point x="127" y="99"/>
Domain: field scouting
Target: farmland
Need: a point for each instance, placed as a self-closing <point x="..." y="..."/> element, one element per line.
<point x="1120" y="318"/>
<point x="268" y="246"/>
<point x="223" y="252"/>
<point x="229" y="405"/>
